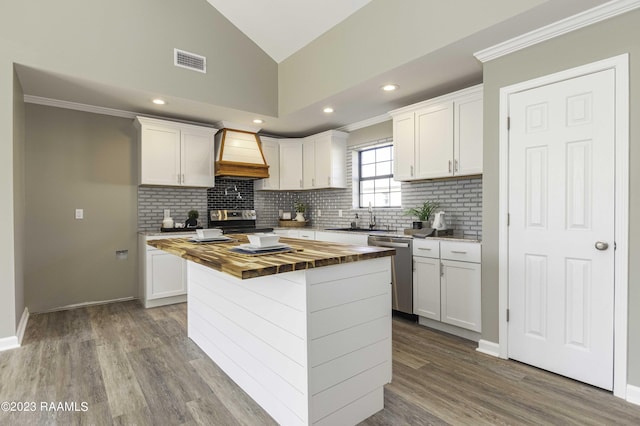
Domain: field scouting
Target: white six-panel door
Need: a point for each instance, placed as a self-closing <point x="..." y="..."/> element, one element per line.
<point x="561" y="199"/>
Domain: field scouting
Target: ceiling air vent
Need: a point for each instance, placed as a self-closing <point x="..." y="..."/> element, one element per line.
<point x="189" y="60"/>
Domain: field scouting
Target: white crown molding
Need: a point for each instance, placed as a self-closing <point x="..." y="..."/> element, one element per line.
<point x="572" y="23"/>
<point x="365" y="123"/>
<point x="78" y="106"/>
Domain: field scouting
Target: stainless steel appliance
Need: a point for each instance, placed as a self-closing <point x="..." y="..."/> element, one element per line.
<point x="235" y="221"/>
<point x="401" y="270"/>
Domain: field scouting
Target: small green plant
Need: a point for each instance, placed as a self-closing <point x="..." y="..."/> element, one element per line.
<point x="192" y="221"/>
<point x="193" y="214"/>
<point x="300" y="207"/>
<point x="423" y="213"/>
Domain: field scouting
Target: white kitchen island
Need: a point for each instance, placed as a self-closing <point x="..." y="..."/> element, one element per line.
<point x="311" y="346"/>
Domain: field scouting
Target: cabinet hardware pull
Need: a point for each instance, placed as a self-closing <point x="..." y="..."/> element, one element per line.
<point x="449" y="166"/>
<point x="455" y="165"/>
<point x="411" y="171"/>
<point x="313" y="182"/>
<point x="183" y="178"/>
<point x="424" y="248"/>
<point x="300" y="183"/>
<point x="328" y="180"/>
<point x="458" y="252"/>
<point x="441" y="269"/>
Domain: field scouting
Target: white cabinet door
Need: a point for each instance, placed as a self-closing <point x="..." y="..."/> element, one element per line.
<point x="160" y="155"/>
<point x="290" y="164"/>
<point x="403" y="146"/>
<point x="426" y="287"/>
<point x="308" y="163"/>
<point x="467" y="144"/>
<point x="271" y="151"/>
<point x="197" y="158"/>
<point x="434" y="141"/>
<point x="461" y="294"/>
<point x="166" y="275"/>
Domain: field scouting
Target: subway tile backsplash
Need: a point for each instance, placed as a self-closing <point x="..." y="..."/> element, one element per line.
<point x="153" y="200"/>
<point x="460" y="199"/>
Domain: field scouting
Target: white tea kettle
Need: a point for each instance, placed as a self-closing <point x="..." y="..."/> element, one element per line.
<point x="438" y="221"/>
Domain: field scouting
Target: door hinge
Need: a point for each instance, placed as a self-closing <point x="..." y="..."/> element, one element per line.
<point x="508" y="123"/>
<point x="615" y="245"/>
<point x="507" y="315"/>
<point x="508" y="219"/>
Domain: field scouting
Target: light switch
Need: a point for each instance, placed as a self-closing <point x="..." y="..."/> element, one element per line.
<point x="79" y="214"/>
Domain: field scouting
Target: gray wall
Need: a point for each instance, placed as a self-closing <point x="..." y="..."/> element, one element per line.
<point x="153" y="200"/>
<point x="379" y="37"/>
<point x="603" y="40"/>
<point x="79" y="160"/>
<point x="19" y="207"/>
<point x="129" y="44"/>
<point x="7" y="227"/>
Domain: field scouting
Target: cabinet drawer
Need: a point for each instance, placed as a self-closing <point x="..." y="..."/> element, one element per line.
<point x="426" y="248"/>
<point x="462" y="251"/>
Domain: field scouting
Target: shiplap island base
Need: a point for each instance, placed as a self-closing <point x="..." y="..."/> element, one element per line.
<point x="311" y="346"/>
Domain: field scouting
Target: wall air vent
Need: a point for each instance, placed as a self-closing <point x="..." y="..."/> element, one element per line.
<point x="189" y="60"/>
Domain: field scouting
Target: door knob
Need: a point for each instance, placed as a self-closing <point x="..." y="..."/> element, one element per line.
<point x="601" y="245"/>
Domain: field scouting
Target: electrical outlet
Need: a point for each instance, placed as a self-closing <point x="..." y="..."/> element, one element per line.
<point x="340" y="213"/>
<point x="122" y="254"/>
<point x="79" y="214"/>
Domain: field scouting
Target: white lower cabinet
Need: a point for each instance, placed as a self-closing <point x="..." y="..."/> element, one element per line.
<point x="426" y="287"/>
<point x="447" y="282"/>
<point x="460" y="294"/>
<point x="163" y="276"/>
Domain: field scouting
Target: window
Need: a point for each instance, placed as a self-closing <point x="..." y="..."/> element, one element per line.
<point x="377" y="187"/>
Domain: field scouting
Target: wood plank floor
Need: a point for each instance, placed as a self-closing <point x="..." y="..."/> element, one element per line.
<point x="137" y="367"/>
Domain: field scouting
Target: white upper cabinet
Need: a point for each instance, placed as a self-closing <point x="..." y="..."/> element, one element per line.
<point x="404" y="154"/>
<point x="271" y="151"/>
<point x="315" y="162"/>
<point x="175" y="154"/>
<point x="290" y="164"/>
<point x="440" y="137"/>
<point x="324" y="160"/>
<point x="467" y="143"/>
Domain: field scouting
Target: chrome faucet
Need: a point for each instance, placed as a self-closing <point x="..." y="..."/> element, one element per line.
<point x="372" y="218"/>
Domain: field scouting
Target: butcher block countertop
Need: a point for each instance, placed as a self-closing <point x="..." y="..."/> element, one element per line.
<point x="308" y="254"/>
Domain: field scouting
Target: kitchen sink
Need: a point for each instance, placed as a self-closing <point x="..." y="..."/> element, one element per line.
<point x="352" y="229"/>
<point x="356" y="230"/>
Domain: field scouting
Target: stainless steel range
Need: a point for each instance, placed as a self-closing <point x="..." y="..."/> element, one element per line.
<point x="235" y="221"/>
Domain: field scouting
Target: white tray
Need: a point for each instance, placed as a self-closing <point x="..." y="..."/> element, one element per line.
<point x="251" y="247"/>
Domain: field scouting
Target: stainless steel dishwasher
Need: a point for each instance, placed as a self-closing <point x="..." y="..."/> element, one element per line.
<point x="401" y="270"/>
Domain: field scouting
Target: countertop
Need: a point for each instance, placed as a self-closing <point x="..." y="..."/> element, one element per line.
<point x="310" y="254"/>
<point x="391" y="233"/>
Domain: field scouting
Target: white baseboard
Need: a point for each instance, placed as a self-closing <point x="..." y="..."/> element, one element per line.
<point x="13" y="342"/>
<point x="488" y="348"/>
<point x="85" y="304"/>
<point x="22" y="326"/>
<point x="633" y="394"/>
<point x="7" y="343"/>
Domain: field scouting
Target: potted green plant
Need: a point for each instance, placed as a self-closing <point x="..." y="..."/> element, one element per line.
<point x="300" y="208"/>
<point x="192" y="221"/>
<point x="422" y="213"/>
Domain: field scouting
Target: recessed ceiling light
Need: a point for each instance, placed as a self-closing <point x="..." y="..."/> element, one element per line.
<point x="389" y="87"/>
<point x="159" y="101"/>
<point x="328" y="110"/>
<point x="258" y="121"/>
